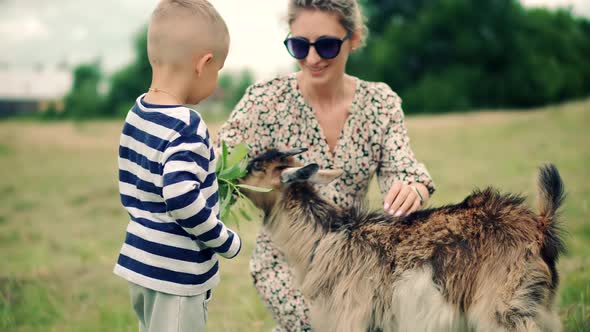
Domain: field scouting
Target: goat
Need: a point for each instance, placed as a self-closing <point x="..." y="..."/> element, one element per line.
<point x="485" y="264"/>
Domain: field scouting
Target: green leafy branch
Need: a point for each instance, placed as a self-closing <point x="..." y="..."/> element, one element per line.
<point x="232" y="166"/>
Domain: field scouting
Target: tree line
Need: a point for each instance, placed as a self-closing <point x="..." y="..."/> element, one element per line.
<point x="438" y="55"/>
<point x="450" y="55"/>
<point x="88" y="100"/>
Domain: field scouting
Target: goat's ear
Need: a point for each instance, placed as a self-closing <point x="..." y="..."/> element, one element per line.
<point x="326" y="176"/>
<point x="299" y="174"/>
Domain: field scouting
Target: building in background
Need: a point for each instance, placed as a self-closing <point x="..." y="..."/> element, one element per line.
<point x="26" y="91"/>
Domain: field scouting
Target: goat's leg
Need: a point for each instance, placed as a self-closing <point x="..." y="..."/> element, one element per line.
<point x="522" y="321"/>
<point x="516" y="300"/>
<point x="548" y="320"/>
<point x="418" y="305"/>
<point x="332" y="315"/>
<point x="528" y="324"/>
<point x="348" y="308"/>
<point x="319" y="317"/>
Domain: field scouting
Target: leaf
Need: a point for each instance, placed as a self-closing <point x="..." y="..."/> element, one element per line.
<point x="237" y="155"/>
<point x="222" y="188"/>
<point x="222" y="160"/>
<point x="225" y="204"/>
<point x="230" y="168"/>
<point x="236" y="172"/>
<point x="256" y="189"/>
<point x="243" y="168"/>
<point x="245" y="214"/>
<point x="224" y="152"/>
<point x="236" y="219"/>
<point x="232" y="173"/>
<point x="223" y="214"/>
<point x="250" y="203"/>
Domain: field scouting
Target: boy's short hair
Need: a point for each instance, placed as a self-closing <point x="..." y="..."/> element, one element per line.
<point x="180" y="28"/>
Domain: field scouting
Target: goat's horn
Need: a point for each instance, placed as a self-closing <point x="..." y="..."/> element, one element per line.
<point x="292" y="152"/>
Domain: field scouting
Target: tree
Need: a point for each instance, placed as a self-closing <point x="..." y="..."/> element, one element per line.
<point x="233" y="86"/>
<point x="454" y="54"/>
<point x="84" y="100"/>
<point x="381" y="12"/>
<point x="135" y="78"/>
<point x="131" y="81"/>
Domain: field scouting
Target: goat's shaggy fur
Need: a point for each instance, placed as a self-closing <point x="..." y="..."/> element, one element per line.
<point x="487" y="263"/>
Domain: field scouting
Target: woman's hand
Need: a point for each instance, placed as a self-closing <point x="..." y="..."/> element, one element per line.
<point x="403" y="199"/>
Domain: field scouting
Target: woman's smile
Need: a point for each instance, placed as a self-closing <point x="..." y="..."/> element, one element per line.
<point x="317" y="70"/>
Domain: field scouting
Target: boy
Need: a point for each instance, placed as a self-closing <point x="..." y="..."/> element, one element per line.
<point x="167" y="173"/>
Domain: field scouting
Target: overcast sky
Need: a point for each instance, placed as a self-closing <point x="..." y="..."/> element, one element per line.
<point x="53" y="31"/>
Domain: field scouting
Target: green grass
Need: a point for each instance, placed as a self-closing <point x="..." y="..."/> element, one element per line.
<point x="61" y="224"/>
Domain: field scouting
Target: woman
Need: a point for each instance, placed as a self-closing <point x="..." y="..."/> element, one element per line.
<point x="345" y="123"/>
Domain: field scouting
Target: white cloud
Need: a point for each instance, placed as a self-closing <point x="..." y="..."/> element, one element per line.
<point x="257" y="34"/>
<point x="579" y="7"/>
<point x="81" y="30"/>
<point x="23" y="29"/>
<point x="79" y="33"/>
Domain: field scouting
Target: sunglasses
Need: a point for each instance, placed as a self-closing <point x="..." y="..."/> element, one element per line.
<point x="326" y="47"/>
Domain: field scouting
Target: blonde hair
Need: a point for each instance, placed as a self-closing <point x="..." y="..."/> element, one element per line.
<point x="179" y="27"/>
<point x="349" y="12"/>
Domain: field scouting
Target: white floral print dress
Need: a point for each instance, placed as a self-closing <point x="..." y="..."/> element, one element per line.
<point x="274" y="114"/>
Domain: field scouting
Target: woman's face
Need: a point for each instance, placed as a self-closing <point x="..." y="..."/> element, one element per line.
<point x="313" y="24"/>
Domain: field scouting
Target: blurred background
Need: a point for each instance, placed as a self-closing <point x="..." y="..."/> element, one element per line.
<point x="491" y="89"/>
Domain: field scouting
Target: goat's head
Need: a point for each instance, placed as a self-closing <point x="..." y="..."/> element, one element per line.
<point x="277" y="169"/>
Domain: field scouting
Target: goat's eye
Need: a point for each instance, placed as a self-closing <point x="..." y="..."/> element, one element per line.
<point x="257" y="166"/>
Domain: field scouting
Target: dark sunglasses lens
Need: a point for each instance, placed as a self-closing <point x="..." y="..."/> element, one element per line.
<point x="297" y="48"/>
<point x="328" y="48"/>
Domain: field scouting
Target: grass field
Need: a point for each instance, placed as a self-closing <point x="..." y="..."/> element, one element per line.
<point x="61" y="225"/>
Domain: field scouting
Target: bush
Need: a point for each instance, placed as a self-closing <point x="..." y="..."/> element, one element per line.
<point x="84" y="100"/>
<point x="454" y="54"/>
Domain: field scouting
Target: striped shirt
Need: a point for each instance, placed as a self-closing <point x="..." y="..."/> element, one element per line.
<point x="169" y="188"/>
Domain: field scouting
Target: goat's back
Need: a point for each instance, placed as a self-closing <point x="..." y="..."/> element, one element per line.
<point x="488" y="246"/>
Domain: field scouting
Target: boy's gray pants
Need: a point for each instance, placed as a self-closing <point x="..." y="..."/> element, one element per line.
<point x="161" y="312"/>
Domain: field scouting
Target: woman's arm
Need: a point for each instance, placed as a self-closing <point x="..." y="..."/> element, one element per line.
<point x="404" y="182"/>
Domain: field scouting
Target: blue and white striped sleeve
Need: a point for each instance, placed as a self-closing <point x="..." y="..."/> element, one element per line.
<point x="191" y="197"/>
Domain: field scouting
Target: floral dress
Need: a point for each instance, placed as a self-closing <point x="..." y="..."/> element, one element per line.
<point x="274" y="114"/>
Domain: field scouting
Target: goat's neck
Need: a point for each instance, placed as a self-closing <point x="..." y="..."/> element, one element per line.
<point x="297" y="223"/>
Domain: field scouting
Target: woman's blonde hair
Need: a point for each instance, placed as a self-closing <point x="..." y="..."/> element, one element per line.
<point x="349" y="11"/>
